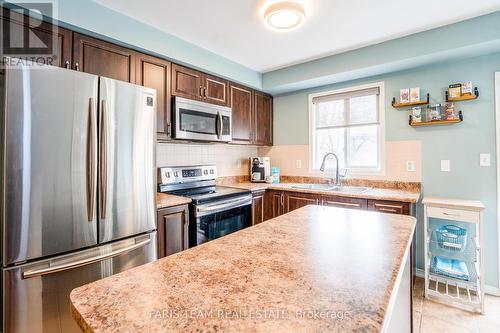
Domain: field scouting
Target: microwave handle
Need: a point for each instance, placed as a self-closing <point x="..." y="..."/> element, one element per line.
<point x="218" y="126"/>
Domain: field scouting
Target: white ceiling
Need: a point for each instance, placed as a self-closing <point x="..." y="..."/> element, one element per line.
<point x="234" y="28"/>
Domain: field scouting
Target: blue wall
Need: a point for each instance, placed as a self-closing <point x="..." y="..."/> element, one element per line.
<point x="460" y="143"/>
<point x="89" y="15"/>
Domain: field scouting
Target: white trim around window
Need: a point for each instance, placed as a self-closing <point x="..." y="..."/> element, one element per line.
<point x="380" y="170"/>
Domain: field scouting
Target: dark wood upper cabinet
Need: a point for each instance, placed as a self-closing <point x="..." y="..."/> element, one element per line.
<point x="263" y="119"/>
<point x="91" y="55"/>
<point x="154" y="73"/>
<point x="215" y="90"/>
<point x="241" y="102"/>
<point x="193" y="84"/>
<point x="22" y="33"/>
<point x="173" y="230"/>
<point x="187" y="82"/>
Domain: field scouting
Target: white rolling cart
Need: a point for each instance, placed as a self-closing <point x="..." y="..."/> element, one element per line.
<point x="454" y="270"/>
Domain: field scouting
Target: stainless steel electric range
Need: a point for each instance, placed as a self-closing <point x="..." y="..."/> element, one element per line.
<point x="215" y="210"/>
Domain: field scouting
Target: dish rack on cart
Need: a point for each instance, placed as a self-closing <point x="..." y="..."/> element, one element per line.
<point x="453" y="234"/>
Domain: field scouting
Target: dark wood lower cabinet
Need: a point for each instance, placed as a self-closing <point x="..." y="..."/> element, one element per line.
<point x="257" y="207"/>
<point x="280" y="202"/>
<point x="173" y="230"/>
<point x="273" y="204"/>
<point x="293" y="200"/>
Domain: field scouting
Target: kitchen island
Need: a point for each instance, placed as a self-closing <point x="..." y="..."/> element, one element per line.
<point x="314" y="269"/>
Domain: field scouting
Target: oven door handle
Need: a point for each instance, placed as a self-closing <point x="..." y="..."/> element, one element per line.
<point x="203" y="210"/>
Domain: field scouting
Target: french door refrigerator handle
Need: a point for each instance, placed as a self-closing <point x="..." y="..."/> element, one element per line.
<point x="91" y="151"/>
<point x="83" y="262"/>
<point x="103" y="168"/>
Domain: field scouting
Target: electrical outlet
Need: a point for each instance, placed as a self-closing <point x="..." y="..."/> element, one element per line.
<point x="238" y="164"/>
<point x="445" y="165"/>
<point x="298" y="164"/>
<point x="410" y="166"/>
<point x="484" y="159"/>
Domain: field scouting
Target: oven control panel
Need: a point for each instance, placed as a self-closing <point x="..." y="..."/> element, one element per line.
<point x="187" y="174"/>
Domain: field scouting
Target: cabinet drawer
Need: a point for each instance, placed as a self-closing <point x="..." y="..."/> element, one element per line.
<point x="343" y="202"/>
<point x="392" y="207"/>
<point x="453" y="214"/>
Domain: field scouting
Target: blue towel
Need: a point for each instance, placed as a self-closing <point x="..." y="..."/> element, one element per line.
<point x="451" y="267"/>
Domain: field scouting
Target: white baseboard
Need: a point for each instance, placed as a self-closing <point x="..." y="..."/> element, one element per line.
<point x="490" y="290"/>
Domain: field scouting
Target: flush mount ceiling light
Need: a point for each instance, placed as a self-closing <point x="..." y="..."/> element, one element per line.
<point x="284" y="16"/>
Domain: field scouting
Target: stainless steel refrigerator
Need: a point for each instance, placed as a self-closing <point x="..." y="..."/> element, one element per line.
<point x="78" y="189"/>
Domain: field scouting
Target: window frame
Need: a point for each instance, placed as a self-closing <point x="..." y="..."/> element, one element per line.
<point x="369" y="171"/>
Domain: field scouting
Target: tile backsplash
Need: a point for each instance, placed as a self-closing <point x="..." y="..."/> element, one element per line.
<point x="231" y="160"/>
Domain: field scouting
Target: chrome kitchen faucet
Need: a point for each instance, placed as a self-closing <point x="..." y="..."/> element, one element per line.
<point x="322" y="168"/>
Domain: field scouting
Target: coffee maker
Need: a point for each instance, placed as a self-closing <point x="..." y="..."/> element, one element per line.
<point x="260" y="169"/>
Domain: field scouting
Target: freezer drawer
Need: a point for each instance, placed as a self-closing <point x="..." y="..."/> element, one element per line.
<point x="36" y="295"/>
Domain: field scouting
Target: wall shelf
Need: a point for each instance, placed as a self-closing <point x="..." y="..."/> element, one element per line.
<point x="403" y="105"/>
<point x="467" y="97"/>
<point x="436" y="122"/>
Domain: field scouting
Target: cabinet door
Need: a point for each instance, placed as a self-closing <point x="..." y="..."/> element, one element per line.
<point x="263" y="119"/>
<point x="21" y="33"/>
<point x="295" y="200"/>
<point x="173" y="230"/>
<point x="154" y="73"/>
<point x="258" y="208"/>
<point x="187" y="82"/>
<point x="98" y="57"/>
<point x="215" y="90"/>
<point x="344" y="202"/>
<point x="385" y="206"/>
<point x="273" y="204"/>
<point x="241" y="101"/>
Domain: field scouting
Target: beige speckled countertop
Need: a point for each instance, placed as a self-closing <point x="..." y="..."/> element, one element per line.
<point x="373" y="193"/>
<point x="306" y="271"/>
<point x="168" y="200"/>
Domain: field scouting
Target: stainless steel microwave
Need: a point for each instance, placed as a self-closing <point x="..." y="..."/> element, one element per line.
<point x="199" y="121"/>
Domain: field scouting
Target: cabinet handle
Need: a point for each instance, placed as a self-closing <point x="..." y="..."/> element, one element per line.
<point x="448" y="214"/>
<point x="66" y="64"/>
<point x="169" y="126"/>
<point x="77" y="66"/>
<point x="341" y="203"/>
<point x="201" y="91"/>
<point x="389" y="210"/>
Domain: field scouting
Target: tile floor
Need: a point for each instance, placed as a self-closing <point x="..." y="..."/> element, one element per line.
<point x="432" y="317"/>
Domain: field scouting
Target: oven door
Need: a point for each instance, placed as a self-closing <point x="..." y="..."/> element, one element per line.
<point x="200" y="121"/>
<point x="217" y="219"/>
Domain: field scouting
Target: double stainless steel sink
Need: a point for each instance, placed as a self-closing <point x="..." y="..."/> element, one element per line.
<point x="333" y="188"/>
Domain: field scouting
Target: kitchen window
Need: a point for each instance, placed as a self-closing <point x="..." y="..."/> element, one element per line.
<point x="350" y="123"/>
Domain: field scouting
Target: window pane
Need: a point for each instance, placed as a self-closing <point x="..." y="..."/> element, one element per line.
<point x="330" y="113"/>
<point x="329" y="140"/>
<point x="362" y="146"/>
<point x="363" y="109"/>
